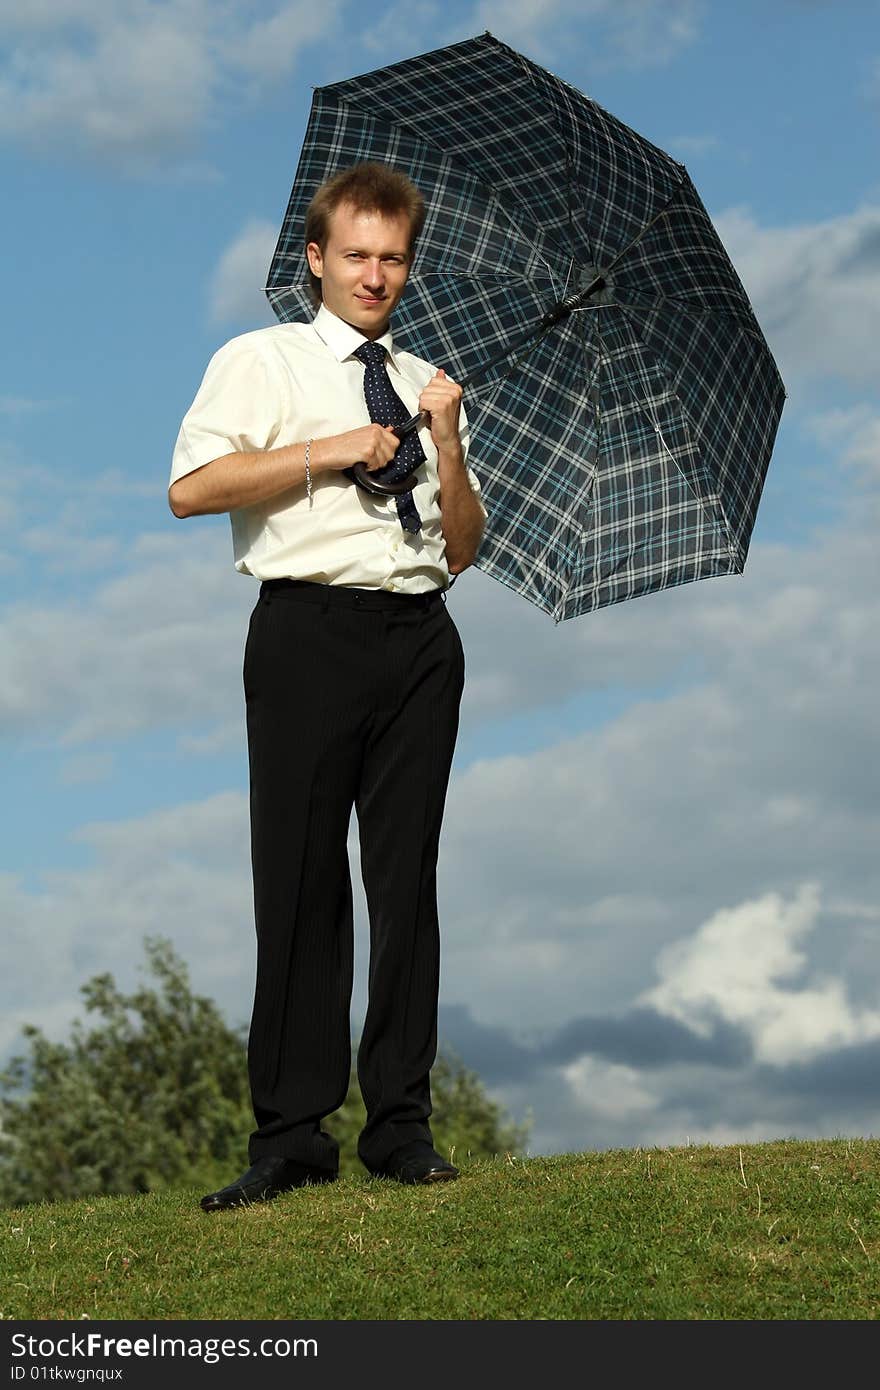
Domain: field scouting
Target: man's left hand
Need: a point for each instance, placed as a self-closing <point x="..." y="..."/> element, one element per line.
<point x="441" y="401"/>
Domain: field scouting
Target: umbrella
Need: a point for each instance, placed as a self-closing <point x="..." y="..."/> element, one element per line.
<point x="627" y="401"/>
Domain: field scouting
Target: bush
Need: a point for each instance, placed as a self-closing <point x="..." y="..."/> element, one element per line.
<point x="156" y="1095"/>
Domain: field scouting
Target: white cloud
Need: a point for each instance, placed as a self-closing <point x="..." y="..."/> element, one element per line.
<point x="623" y="33"/>
<point x="815" y="288"/>
<point x="23" y="405"/>
<point x="629" y="34"/>
<point x="385" y="31"/>
<point x="88" y="767"/>
<point x="672" y="805"/>
<point x="269" y="47"/>
<point x="137" y="82"/>
<point x="731" y="969"/>
<point x="748" y="778"/>
<point x="692" y="145"/>
<point x="237" y="283"/>
<point x="854" y="433"/>
<point x="181" y="872"/>
<point x="61" y="523"/>
<point x="607" y="1090"/>
<point x="72" y="551"/>
<point x="158" y="646"/>
<point x="132" y="84"/>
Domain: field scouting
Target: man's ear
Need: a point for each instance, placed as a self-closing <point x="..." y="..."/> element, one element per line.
<point x="315" y="258"/>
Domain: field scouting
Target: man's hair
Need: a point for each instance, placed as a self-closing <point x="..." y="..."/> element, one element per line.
<point x="366" y="187"/>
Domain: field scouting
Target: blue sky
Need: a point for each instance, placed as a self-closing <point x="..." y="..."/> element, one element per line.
<point x="658" y="881"/>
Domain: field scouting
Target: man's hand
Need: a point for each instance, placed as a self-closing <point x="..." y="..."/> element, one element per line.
<point x="372" y="445"/>
<point x="461" y="515"/>
<point x="441" y="401"/>
<point x="241" y="479"/>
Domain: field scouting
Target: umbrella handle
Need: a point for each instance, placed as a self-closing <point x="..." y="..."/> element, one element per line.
<point x="370" y="483"/>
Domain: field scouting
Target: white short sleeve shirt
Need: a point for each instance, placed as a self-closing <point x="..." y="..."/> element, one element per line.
<point x="295" y="381"/>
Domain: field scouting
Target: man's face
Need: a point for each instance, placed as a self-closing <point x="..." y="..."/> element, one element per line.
<point x="364" y="267"/>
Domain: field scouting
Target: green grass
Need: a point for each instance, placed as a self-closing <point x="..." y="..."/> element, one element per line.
<point x="782" y="1230"/>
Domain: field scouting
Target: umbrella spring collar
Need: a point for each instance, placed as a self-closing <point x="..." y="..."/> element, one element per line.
<point x="574" y="301"/>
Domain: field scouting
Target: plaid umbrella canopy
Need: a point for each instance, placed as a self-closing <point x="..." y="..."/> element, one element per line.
<point x="623" y="439"/>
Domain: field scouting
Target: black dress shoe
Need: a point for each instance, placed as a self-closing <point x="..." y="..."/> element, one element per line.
<point x="416" y="1162"/>
<point x="268" y="1177"/>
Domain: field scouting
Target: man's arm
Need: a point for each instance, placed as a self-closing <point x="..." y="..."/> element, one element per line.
<point x="240" y="479"/>
<point x="462" y="518"/>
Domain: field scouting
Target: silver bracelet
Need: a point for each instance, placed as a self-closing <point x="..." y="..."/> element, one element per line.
<point x="308" y="470"/>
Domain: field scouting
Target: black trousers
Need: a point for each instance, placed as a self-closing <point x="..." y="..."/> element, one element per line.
<point x="352" y="700"/>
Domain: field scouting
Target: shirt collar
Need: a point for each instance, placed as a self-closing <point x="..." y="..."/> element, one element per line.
<point x="342" y="339"/>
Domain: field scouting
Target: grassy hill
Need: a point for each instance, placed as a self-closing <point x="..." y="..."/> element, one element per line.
<point x="788" y="1230"/>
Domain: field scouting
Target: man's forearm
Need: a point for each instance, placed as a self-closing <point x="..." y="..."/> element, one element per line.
<point x="462" y="519"/>
<point x="239" y="479"/>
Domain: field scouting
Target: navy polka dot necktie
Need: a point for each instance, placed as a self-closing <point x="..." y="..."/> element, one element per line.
<point x="386" y="408"/>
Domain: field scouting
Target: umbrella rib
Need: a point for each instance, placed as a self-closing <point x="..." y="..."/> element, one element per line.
<point x="526" y="67"/>
<point x="568" y="191"/>
<point x="750" y="326"/>
<point x="550" y="275"/>
<point x="647" y="227"/>
<point x="479" y="275"/>
<point x="680" y="304"/>
<point x="582" y="336"/>
<point x="649" y="414"/>
<point x="509" y="368"/>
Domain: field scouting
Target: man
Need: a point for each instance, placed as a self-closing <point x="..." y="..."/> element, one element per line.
<point x="353" y="675"/>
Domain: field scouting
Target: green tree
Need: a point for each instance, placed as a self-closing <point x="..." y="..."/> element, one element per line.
<point x="155" y="1091"/>
<point x="155" y="1094"/>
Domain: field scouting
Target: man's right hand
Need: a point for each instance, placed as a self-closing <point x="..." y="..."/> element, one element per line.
<point x="372" y="445"/>
<point x="241" y="479"/>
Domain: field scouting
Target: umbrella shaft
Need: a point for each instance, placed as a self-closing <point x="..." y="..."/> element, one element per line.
<point x="548" y="320"/>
